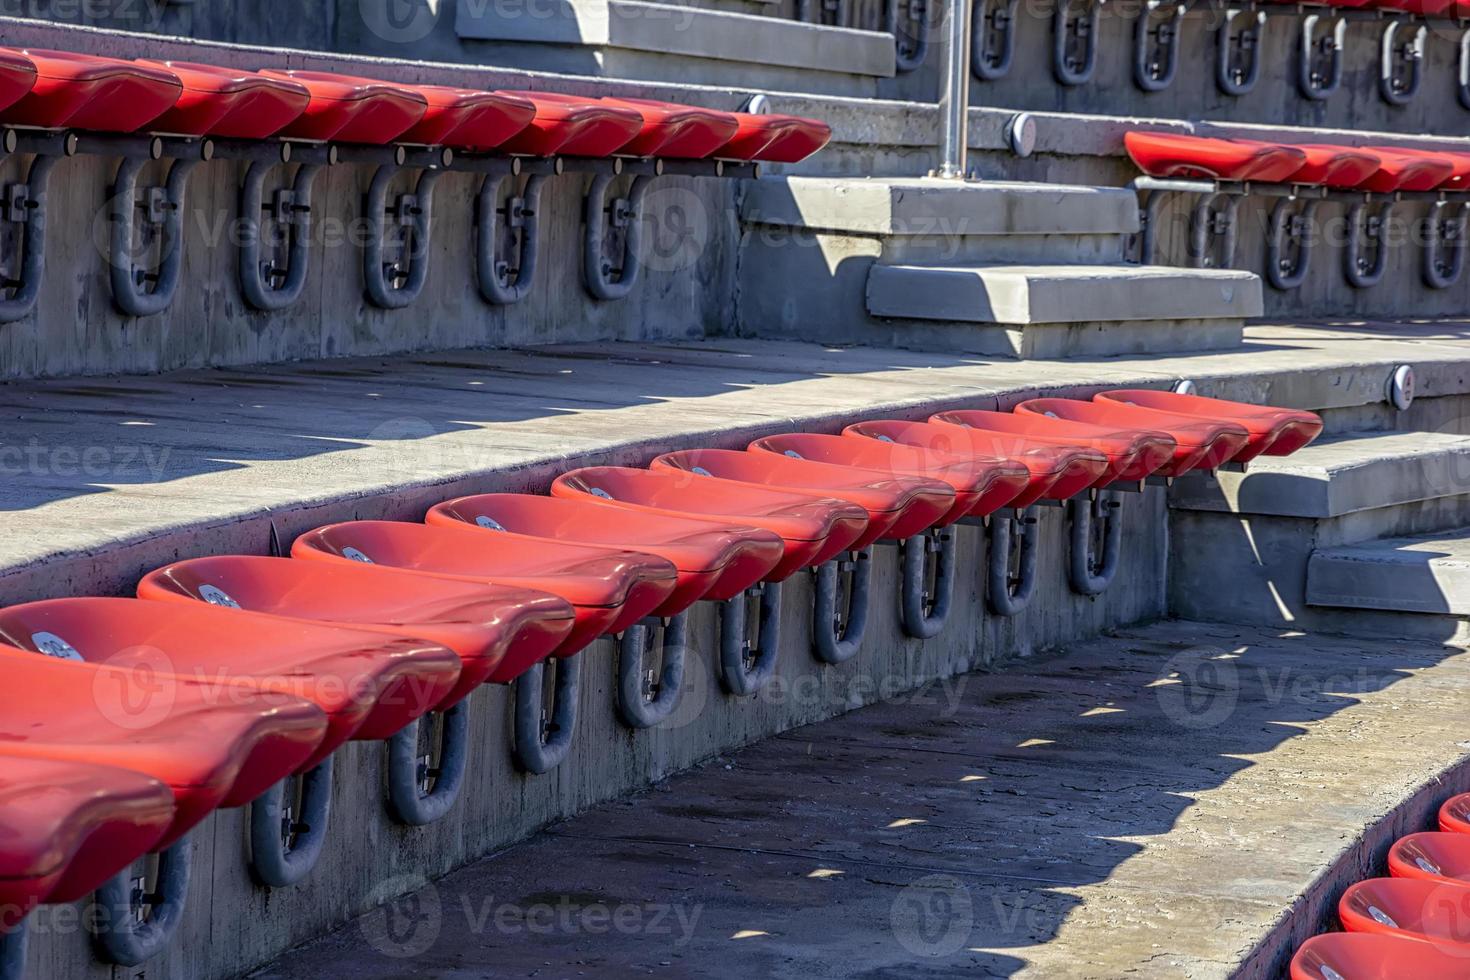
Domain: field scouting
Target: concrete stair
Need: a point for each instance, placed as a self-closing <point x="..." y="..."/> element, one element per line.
<point x="1413" y="575"/>
<point x="1350" y="534"/>
<point x="675" y="43"/>
<point x="1018" y="269"/>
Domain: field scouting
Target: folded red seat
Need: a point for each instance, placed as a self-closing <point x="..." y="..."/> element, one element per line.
<point x="1201" y="443"/>
<point x="981" y="485"/>
<point x="1415" y="908"/>
<point x="1132" y="454"/>
<point x="229" y="103"/>
<point x="1459" y="178"/>
<point x="1272" y="431"/>
<point x="677" y="131"/>
<point x="17" y="76"/>
<point x="468" y="118"/>
<point x="1057" y="472"/>
<point x="484" y="624"/>
<point x="1176" y="155"/>
<point x="67" y="827"/>
<point x="898" y="506"/>
<point x="352" y="110"/>
<point x="573" y="126"/>
<point x="1454" y="814"/>
<point x="1408" y="170"/>
<point x="370" y="686"/>
<point x="772" y="138"/>
<point x="1434" y="855"/>
<point x="1347" y="955"/>
<point x="80" y="91"/>
<point x="813" y="529"/>
<point x="611" y="589"/>
<point x="211" y="748"/>
<point x="1340" y="167"/>
<point x="1424" y="8"/>
<point x="715" y="560"/>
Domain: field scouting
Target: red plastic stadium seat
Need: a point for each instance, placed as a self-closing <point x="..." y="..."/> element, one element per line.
<point x="1434" y="855"/>
<point x="715" y="560"/>
<point x="1411" y="907"/>
<point x="67" y="827"/>
<point x="1341" y="167"/>
<point x="211" y="748"/>
<point x="353" y="110"/>
<point x="982" y="485"/>
<point x="369" y="685"/>
<point x="1058" y="472"/>
<point x="813" y="529"/>
<point x="611" y="589"/>
<point x="1201" y="443"/>
<point x="1459" y="178"/>
<point x="468" y="118"/>
<point x="677" y="131"/>
<point x="79" y="91"/>
<point x="17" y="76"/>
<point x="1174" y="155"/>
<point x="775" y="138"/>
<point x="1355" y="956"/>
<point x="1408" y="170"/>
<point x="1424" y="8"/>
<point x="1454" y="814"/>
<point x="573" y="126"/>
<point x="1273" y="431"/>
<point x="483" y="624"/>
<point x="1132" y="453"/>
<point x="229" y="103"/>
<point x="898" y="506"/>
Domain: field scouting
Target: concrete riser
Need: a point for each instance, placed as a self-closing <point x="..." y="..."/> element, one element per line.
<point x="805" y="285"/>
<point x="232" y="926"/>
<point x="1265" y="559"/>
<point x="1193" y="95"/>
<point x="77" y="330"/>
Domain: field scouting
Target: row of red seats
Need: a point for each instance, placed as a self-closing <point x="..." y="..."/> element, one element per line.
<point x="1413" y="925"/>
<point x="131" y="730"/>
<point x="61" y="90"/>
<point x="1367" y="168"/>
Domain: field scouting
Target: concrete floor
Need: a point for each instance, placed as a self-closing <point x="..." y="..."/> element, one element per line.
<point x="1181" y="800"/>
<point x="103" y="479"/>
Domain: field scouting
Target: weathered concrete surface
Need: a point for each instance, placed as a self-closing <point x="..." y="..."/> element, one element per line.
<point x="1019" y="824"/>
<point x="1026" y="294"/>
<point x="1333" y="477"/>
<point x="932" y="206"/>
<point x="760" y="42"/>
<point x="107" y="479"/>
<point x="1418" y="575"/>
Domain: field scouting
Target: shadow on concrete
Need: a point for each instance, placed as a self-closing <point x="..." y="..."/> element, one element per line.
<point x="991" y="825"/>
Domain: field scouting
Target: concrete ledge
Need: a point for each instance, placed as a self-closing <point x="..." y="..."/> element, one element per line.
<point x="1417" y="575"/>
<point x="925" y="207"/>
<point x="688" y="31"/>
<point x="1333" y="477"/>
<point x="1061" y="293"/>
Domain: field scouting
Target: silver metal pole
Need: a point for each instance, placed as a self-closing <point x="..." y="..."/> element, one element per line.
<point x="954" y="95"/>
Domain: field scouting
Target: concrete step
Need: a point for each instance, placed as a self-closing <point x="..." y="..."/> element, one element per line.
<point x="1309" y="541"/>
<point x="1056" y="294"/>
<point x="910" y="208"/>
<point x="1409" y="575"/>
<point x="1336" y="477"/>
<point x="665" y="42"/>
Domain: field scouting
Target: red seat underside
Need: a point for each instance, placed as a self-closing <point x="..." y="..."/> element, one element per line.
<point x="1174" y="155"/>
<point x="84" y="92"/>
<point x="775" y="138"/>
<point x="229" y="104"/>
